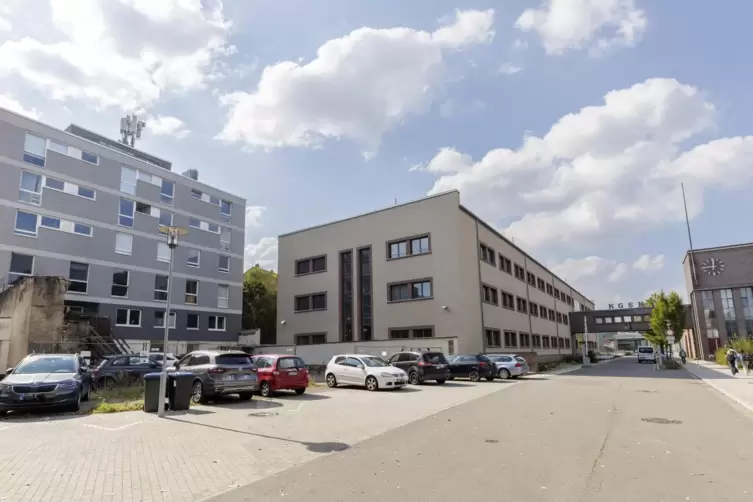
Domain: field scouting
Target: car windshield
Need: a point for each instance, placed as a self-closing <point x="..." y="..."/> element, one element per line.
<point x="520" y="359"/>
<point x="435" y="358"/>
<point x="645" y="350"/>
<point x="236" y="359"/>
<point x="46" y="365"/>
<point x="374" y="362"/>
<point x="483" y="359"/>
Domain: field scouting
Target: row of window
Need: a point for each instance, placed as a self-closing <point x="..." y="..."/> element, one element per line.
<point x="489" y="255"/>
<point x="492" y="296"/>
<point x="28" y="224"/>
<point x="36" y="147"/>
<point x="728" y="312"/>
<point x="225" y="206"/>
<point x="131" y="318"/>
<point x="31" y="185"/>
<point x="622" y="319"/>
<point x="394" y="334"/>
<point x="414" y="290"/>
<point x="22" y="265"/>
<point x="510" y="339"/>
<point x="124" y="246"/>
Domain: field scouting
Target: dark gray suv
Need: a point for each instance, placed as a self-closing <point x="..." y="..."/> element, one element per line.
<point x="218" y="373"/>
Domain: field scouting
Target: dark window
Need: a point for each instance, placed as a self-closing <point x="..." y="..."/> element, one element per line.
<point x="233" y="359"/>
<point x="365" y="287"/>
<point x="549" y="289"/>
<point x="545" y="341"/>
<point x="311" y="339"/>
<point x="405" y="333"/>
<point x="522" y="305"/>
<point x="423" y="333"/>
<point x="306" y="303"/>
<point x="543" y="312"/>
<point x="505" y="264"/>
<point x="488" y="255"/>
<point x="540" y="283"/>
<point x="128" y="317"/>
<point x="119" y="283"/>
<point x="160" y="288"/>
<point x="410" y="291"/>
<point x="511" y="339"/>
<point x="564" y="319"/>
<point x="408" y="247"/>
<point x="531" y="278"/>
<point x="562" y="343"/>
<point x="520" y="272"/>
<point x="551" y="315"/>
<point x="508" y="301"/>
<point x="21" y="264"/>
<point x="346" y="296"/>
<point x="287" y="363"/>
<point x="567" y="343"/>
<point x="79" y="277"/>
<point x="534" y="309"/>
<point x="525" y="340"/>
<point x="192" y="321"/>
<point x="311" y="265"/>
<point x="569" y="300"/>
<point x="536" y="341"/>
<point x="493" y="338"/>
<point x="491" y="295"/>
<point x="557" y="293"/>
<point x="559" y="317"/>
<point x="399" y="334"/>
<point x="198" y="360"/>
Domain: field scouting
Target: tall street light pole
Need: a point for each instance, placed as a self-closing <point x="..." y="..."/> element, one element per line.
<point x="172" y="234"/>
<point x="584" y="345"/>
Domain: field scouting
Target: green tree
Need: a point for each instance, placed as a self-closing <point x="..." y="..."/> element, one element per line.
<point x="260" y="302"/>
<point x="667" y="314"/>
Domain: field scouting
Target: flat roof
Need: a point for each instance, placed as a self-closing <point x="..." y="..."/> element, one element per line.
<point x="717" y="248"/>
<point x="462" y="208"/>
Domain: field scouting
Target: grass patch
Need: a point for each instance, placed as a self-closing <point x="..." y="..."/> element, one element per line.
<point x="105" y="407"/>
<point x="118" y="398"/>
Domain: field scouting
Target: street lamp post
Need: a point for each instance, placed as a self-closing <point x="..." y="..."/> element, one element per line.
<point x="172" y="234"/>
<point x="584" y="344"/>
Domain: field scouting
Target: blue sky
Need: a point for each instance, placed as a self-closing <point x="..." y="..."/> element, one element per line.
<point x="567" y="124"/>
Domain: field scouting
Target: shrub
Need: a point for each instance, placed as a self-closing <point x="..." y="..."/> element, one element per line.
<point x="721" y="355"/>
<point x="592" y="356"/>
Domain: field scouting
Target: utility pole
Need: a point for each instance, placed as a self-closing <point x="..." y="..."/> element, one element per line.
<point x="584" y="348"/>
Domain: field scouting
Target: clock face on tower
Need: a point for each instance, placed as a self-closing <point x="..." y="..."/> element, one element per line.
<point x="713" y="266"/>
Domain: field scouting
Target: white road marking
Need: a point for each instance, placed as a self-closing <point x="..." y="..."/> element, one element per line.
<point x="300" y="405"/>
<point x="112" y="429"/>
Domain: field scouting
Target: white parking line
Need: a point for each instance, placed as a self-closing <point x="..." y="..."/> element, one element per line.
<point x="112" y="429"/>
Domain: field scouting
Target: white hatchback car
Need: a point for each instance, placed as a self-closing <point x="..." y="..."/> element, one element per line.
<point x="372" y="372"/>
<point x="646" y="354"/>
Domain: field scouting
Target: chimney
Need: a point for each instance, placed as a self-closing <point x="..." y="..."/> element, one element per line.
<point x="192" y="173"/>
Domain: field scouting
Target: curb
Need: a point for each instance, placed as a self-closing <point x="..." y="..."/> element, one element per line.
<point x="745" y="404"/>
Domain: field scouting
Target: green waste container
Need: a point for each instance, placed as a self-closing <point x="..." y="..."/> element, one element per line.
<point x="179" y="390"/>
<point x="151" y="392"/>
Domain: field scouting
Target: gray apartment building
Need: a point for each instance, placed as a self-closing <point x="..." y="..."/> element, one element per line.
<point x="719" y="282"/>
<point x="78" y="205"/>
<point x="417" y="272"/>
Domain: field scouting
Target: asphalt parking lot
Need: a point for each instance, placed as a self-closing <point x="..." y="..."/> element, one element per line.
<point x="209" y="449"/>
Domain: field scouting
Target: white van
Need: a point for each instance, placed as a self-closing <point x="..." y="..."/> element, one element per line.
<point x="646" y="354"/>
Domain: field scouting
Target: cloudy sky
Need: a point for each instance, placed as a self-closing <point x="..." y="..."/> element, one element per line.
<point x="567" y="124"/>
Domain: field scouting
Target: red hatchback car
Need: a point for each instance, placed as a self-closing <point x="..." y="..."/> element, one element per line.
<point x="281" y="372"/>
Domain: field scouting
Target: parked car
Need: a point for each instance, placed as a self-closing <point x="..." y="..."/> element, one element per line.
<point x="281" y="372"/>
<point x="370" y="371"/>
<point x="509" y="365"/>
<point x="129" y="369"/>
<point x="219" y="373"/>
<point x="159" y="357"/>
<point x="646" y="354"/>
<point x="422" y="366"/>
<point x="46" y="381"/>
<point x="471" y="366"/>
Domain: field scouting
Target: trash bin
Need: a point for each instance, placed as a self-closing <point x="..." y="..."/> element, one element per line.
<point x="179" y="390"/>
<point x="151" y="392"/>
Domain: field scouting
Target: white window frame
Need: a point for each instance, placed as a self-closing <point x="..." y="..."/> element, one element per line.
<point x="132" y="216"/>
<point x="86" y="282"/>
<point x="198" y="321"/>
<point x="167" y="199"/>
<point x="225" y="244"/>
<point x="77" y="224"/>
<point x="219" y="264"/>
<point x="42" y="156"/>
<point x="127" y="284"/>
<point x="198" y="258"/>
<point x="123" y="250"/>
<point x="161" y="246"/>
<point x="226" y="216"/>
<point x="164" y="212"/>
<point x="128" y="318"/>
<point x="196" y="194"/>
<point x="126" y="185"/>
<point x="23" y="232"/>
<point x="173" y="319"/>
<point x="191" y="219"/>
<point x="32" y="194"/>
<point x="223" y="301"/>
<point x="41" y="222"/>
<point x="20" y="274"/>
<point x="166" y="291"/>
<point x="217" y="322"/>
<point x="187" y="294"/>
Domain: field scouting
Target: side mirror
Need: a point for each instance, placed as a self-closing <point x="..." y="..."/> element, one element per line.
<point x="360" y="366"/>
<point x="9" y="371"/>
<point x="176" y="365"/>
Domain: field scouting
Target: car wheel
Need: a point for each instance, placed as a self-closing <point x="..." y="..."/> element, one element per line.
<point x="503" y="374"/>
<point x="3" y="413"/>
<point x="413" y="378"/>
<point x="440" y="382"/>
<point x="451" y="378"/>
<point x="88" y="391"/>
<point x="489" y="378"/>
<point x="197" y="392"/>
<point x="331" y="381"/>
<point x="77" y="405"/>
<point x="372" y="384"/>
<point x="246" y="396"/>
<point x="265" y="390"/>
<point x="474" y="376"/>
<point x="300" y="391"/>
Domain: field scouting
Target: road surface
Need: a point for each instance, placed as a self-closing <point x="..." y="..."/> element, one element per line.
<point x="619" y="431"/>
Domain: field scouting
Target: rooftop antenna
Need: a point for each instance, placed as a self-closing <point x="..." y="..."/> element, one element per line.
<point x="130" y="129"/>
<point x="394" y="201"/>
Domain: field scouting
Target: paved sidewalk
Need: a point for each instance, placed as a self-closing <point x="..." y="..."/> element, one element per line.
<point x="738" y="388"/>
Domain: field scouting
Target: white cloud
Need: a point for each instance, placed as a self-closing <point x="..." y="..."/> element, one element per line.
<point x="596" y="25"/>
<point x="12" y="104"/>
<point x="603" y="169"/>
<point x="618" y="272"/>
<point x="357" y="87"/>
<point x="575" y="270"/>
<point x="124" y="53"/>
<point x="253" y="216"/>
<point x="166" y="125"/>
<point x="647" y="262"/>
<point x="509" y="69"/>
<point x="263" y="253"/>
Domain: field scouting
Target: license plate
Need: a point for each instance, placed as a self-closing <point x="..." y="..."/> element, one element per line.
<point x="400" y="381"/>
<point x="441" y="366"/>
<point x="292" y="373"/>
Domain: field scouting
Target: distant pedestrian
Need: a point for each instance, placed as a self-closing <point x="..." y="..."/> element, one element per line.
<point x="732" y="361"/>
<point x="742" y="361"/>
<point x="683" y="355"/>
